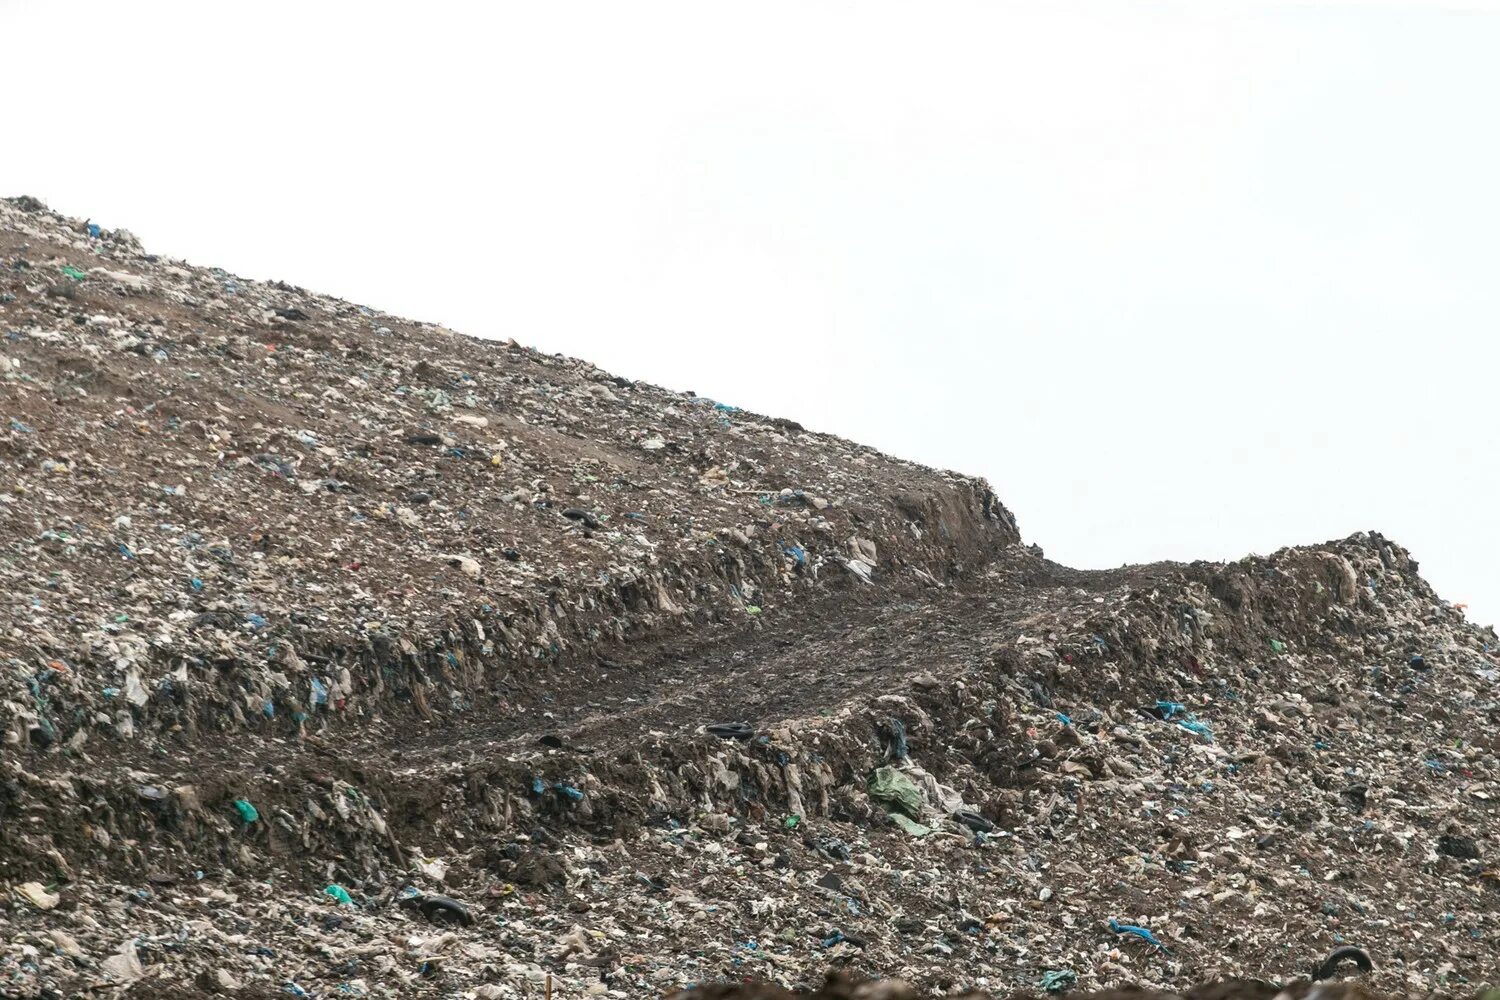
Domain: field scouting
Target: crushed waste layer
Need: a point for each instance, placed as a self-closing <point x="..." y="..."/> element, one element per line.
<point x="342" y="655"/>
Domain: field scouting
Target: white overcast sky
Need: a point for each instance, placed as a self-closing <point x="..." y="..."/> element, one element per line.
<point x="1182" y="280"/>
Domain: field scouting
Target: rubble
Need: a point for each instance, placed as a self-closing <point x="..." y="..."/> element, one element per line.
<point x="554" y="674"/>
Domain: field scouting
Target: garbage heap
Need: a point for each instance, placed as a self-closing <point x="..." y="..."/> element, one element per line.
<point x="840" y="987"/>
<point x="347" y="656"/>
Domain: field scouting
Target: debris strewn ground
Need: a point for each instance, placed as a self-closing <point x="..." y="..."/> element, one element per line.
<point x="347" y="656"/>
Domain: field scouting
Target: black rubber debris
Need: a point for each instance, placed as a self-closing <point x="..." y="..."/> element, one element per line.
<point x="731" y="731"/>
<point x="1348" y="953"/>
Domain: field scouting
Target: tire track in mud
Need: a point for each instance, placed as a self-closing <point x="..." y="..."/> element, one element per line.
<point x="797" y="667"/>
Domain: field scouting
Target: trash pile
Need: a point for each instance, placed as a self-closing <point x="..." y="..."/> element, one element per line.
<point x="347" y="656"/>
<point x="843" y="987"/>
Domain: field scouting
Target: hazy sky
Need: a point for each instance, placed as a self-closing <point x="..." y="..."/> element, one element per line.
<point x="1182" y="280"/>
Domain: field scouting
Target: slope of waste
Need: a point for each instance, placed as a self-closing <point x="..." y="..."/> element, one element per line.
<point x="347" y="656"/>
<point x="840" y="986"/>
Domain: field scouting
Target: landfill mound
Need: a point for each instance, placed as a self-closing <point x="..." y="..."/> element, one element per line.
<point x="348" y="656"/>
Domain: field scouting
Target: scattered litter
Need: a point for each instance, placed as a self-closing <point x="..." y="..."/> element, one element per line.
<point x="895" y="734"/>
<point x="896" y="791"/>
<point x="731" y="731"/>
<point x="438" y="909"/>
<point x="1348" y="953"/>
<point x="1140" y="932"/>
<point x="1058" y="980"/>
<point x="254" y="557"/>
<point x="37" y="895"/>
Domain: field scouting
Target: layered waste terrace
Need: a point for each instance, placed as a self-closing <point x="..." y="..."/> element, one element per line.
<point x="300" y="596"/>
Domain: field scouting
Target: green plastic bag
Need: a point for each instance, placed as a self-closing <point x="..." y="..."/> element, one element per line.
<point x="896" y="791"/>
<point x="910" y="825"/>
<point x="246" y="810"/>
<point x="339" y="893"/>
<point x="1059" y="980"/>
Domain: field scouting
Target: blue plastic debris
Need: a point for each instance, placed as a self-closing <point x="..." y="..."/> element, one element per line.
<point x="1194" y="726"/>
<point x="1064" y="718"/>
<point x="1169" y="709"/>
<point x="571" y="792"/>
<point x="1140" y="932"/>
<point x="319" y="692"/>
<point x="897" y="729"/>
<point x="797" y="552"/>
<point x="94" y="230"/>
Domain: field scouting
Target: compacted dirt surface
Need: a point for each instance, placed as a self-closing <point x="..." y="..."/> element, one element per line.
<point x="347" y="656"/>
